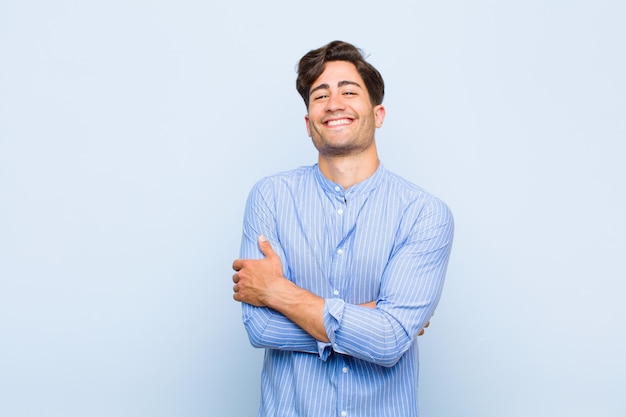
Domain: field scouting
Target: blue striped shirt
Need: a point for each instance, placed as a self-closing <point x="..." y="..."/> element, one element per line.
<point x="382" y="239"/>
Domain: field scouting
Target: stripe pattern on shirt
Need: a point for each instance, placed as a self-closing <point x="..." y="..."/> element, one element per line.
<point x="384" y="239"/>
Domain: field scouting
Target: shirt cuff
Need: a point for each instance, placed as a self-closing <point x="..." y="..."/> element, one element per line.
<point x="333" y="314"/>
<point x="324" y="350"/>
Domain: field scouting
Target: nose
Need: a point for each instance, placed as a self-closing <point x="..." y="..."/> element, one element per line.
<point x="335" y="103"/>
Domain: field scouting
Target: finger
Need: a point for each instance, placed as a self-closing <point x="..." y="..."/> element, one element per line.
<point x="266" y="247"/>
<point x="237" y="264"/>
<point x="236" y="278"/>
<point x="235" y="288"/>
<point x="427" y="324"/>
<point x="421" y="332"/>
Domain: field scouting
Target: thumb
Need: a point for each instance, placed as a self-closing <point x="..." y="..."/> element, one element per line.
<point x="266" y="247"/>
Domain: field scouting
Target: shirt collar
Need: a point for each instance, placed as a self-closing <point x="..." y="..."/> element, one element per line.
<point x="362" y="187"/>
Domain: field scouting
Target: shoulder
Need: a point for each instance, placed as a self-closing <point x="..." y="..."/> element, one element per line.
<point x="413" y="197"/>
<point x="281" y="183"/>
<point x="285" y="178"/>
<point x="396" y="186"/>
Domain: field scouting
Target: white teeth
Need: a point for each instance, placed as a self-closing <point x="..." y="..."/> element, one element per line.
<point x="338" y="122"/>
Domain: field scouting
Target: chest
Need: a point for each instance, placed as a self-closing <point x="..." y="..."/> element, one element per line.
<point x="339" y="247"/>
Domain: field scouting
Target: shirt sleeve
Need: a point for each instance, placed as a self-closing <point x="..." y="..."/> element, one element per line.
<point x="411" y="287"/>
<point x="268" y="328"/>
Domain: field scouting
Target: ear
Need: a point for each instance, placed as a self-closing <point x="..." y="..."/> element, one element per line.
<point x="379" y="115"/>
<point x="308" y="129"/>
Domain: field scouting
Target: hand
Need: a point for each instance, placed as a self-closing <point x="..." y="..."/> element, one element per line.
<point x="255" y="280"/>
<point x="261" y="283"/>
<point x="424" y="329"/>
<point x="371" y="304"/>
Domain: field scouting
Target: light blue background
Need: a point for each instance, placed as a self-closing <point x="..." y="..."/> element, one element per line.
<point x="131" y="132"/>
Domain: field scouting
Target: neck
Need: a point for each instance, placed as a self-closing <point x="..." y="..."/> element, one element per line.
<point x="349" y="169"/>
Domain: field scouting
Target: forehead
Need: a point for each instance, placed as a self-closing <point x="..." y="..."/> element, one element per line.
<point x="337" y="71"/>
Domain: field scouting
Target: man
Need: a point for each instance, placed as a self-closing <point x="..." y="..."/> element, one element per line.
<point x="342" y="263"/>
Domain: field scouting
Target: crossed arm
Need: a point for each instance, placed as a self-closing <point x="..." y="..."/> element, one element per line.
<point x="261" y="283"/>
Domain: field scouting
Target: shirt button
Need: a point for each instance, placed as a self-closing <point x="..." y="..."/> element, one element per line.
<point x="337" y="188"/>
<point x="336" y="292"/>
<point x="344" y="370"/>
<point x="344" y="413"/>
<point x="340" y="211"/>
<point x="340" y="251"/>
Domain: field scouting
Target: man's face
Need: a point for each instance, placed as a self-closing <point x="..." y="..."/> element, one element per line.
<point x="341" y="120"/>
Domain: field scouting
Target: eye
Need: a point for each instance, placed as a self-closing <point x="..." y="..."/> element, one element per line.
<point x="320" y="97"/>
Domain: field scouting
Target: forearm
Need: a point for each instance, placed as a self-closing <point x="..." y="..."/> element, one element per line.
<point x="302" y="307"/>
<point x="374" y="335"/>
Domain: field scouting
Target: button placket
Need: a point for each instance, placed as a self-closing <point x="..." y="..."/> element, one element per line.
<point x="338" y="268"/>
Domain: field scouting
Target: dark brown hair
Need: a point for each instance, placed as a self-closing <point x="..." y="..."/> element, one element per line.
<point x="312" y="65"/>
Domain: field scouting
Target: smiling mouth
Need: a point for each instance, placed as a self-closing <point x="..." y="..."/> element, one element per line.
<point x="338" y="122"/>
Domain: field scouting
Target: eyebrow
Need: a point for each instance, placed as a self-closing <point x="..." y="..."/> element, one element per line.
<point x="339" y="84"/>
